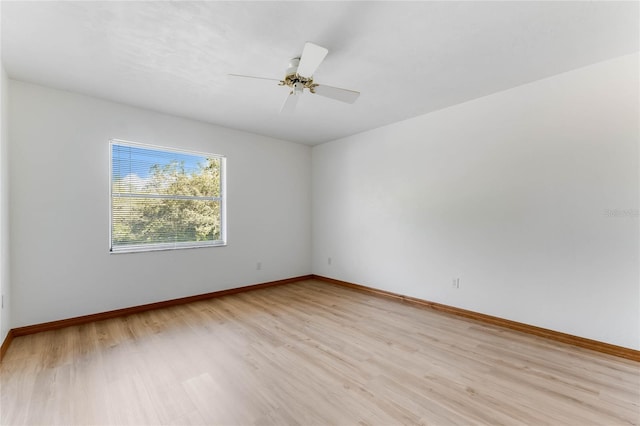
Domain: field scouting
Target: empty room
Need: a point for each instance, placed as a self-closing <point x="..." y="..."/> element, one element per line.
<point x="319" y="213"/>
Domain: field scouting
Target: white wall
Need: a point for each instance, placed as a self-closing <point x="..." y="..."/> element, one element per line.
<point x="508" y="192"/>
<point x="61" y="266"/>
<point x="5" y="286"/>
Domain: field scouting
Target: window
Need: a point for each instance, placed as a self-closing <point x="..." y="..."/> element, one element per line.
<point x="165" y="199"/>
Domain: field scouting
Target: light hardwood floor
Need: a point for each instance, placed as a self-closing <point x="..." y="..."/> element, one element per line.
<point x="308" y="353"/>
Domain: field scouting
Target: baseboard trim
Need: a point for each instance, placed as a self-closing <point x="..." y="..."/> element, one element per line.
<point x="55" y="325"/>
<point x="5" y="344"/>
<point x="582" y="342"/>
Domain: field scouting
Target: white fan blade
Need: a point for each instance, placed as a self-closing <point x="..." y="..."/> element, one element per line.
<point x="342" y="95"/>
<point x="251" y="76"/>
<point x="312" y="57"/>
<point x="289" y="104"/>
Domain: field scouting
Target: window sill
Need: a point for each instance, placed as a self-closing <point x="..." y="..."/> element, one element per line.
<point x="164" y="247"/>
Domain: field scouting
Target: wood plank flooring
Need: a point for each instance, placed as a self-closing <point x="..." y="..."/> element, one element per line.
<point x="308" y="353"/>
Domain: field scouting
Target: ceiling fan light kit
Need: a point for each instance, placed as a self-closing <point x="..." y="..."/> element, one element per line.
<point x="299" y="76"/>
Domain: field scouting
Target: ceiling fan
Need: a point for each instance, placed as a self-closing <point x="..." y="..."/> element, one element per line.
<point x="299" y="76"/>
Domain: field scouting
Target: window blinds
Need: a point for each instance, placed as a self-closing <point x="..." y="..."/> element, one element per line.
<point x="164" y="199"/>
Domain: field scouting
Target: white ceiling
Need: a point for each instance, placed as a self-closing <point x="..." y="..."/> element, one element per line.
<point x="407" y="58"/>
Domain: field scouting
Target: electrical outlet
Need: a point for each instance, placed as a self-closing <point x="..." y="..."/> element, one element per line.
<point x="455" y="283"/>
<point x="258" y="266"/>
<point x="2" y="305"/>
<point x="329" y="261"/>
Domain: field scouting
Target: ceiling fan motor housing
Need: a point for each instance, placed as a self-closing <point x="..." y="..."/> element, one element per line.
<point x="297" y="82"/>
<point x="293" y="67"/>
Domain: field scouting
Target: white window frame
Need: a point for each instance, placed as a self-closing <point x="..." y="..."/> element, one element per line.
<point x="136" y="248"/>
